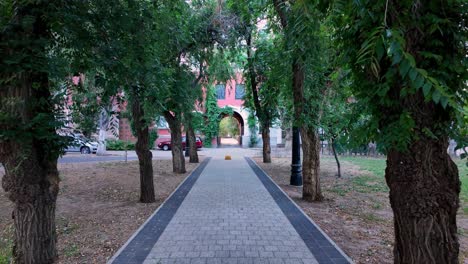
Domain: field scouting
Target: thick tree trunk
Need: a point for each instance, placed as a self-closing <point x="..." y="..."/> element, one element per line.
<point x="32" y="184"/>
<point x="178" y="160"/>
<point x="33" y="187"/>
<point x="336" y="157"/>
<point x="424" y="189"/>
<point x="266" y="144"/>
<point x="310" y="141"/>
<point x="103" y="122"/>
<point x="145" y="157"/>
<point x="192" y="145"/>
<point x="311" y="190"/>
<point x="29" y="145"/>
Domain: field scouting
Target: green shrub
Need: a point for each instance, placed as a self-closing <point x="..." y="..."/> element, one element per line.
<point x="153" y="135"/>
<point x="117" y="144"/>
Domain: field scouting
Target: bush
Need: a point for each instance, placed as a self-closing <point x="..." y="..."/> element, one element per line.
<point x="153" y="135"/>
<point x="117" y="144"/>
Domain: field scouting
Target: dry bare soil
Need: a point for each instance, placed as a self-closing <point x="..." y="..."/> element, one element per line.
<point x="97" y="208"/>
<point x="356" y="212"/>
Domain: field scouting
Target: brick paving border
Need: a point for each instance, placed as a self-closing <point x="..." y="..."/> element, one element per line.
<point x="140" y="244"/>
<point x="321" y="246"/>
<point x="143" y="247"/>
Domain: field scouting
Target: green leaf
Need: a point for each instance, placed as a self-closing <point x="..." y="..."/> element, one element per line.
<point x="411" y="59"/>
<point x="419" y="81"/>
<point x="412" y="74"/>
<point x="379" y="50"/>
<point x="436" y="96"/>
<point x="404" y="67"/>
<point x="427" y="88"/>
<point x="444" y="101"/>
<point x="404" y="92"/>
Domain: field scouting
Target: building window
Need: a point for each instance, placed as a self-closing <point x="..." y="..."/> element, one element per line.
<point x="220" y="91"/>
<point x="240" y="91"/>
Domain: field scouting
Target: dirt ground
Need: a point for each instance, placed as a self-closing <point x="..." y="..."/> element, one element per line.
<point x="356" y="214"/>
<point x="98" y="208"/>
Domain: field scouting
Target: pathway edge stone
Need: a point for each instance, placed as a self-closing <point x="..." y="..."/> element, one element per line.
<point x="252" y="163"/>
<point x="199" y="169"/>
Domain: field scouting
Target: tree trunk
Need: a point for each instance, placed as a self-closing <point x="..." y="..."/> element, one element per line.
<point x="266" y="144"/>
<point x="336" y="157"/>
<point x="288" y="139"/>
<point x="424" y="189"/>
<point x="29" y="145"/>
<point x="178" y="160"/>
<point x="192" y="145"/>
<point x="311" y="190"/>
<point x="310" y="141"/>
<point x="103" y="122"/>
<point x="32" y="184"/>
<point x="145" y="157"/>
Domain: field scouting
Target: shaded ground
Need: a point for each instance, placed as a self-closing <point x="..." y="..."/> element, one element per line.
<point x="356" y="212"/>
<point x="97" y="208"/>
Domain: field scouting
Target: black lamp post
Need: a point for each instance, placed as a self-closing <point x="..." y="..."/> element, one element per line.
<point x="187" y="146"/>
<point x="296" y="167"/>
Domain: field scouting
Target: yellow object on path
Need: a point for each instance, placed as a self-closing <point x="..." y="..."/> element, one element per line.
<point x="227" y="157"/>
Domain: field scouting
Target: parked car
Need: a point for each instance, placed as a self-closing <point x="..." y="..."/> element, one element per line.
<point x="166" y="145"/>
<point x="80" y="143"/>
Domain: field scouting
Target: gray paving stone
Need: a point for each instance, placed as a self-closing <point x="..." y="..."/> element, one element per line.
<point x="229" y="217"/>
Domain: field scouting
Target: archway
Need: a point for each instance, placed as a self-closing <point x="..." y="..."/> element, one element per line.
<point x="231" y="130"/>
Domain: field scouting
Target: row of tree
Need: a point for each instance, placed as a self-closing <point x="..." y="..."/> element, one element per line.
<point x="391" y="72"/>
<point x="399" y="67"/>
<point x="143" y="59"/>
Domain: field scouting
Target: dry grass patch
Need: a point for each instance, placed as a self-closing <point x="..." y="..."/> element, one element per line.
<point x="97" y="208"/>
<point x="356" y="212"/>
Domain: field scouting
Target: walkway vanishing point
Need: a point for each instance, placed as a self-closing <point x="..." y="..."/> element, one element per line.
<point x="229" y="211"/>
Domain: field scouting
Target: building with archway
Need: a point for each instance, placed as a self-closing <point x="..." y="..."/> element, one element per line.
<point x="231" y="94"/>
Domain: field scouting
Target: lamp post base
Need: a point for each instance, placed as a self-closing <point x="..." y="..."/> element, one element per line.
<point x="296" y="175"/>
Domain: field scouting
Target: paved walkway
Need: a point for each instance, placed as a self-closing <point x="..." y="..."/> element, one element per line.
<point x="229" y="212"/>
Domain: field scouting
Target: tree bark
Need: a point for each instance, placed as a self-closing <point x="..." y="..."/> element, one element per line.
<point x="178" y="160"/>
<point x="260" y="110"/>
<point x="29" y="149"/>
<point x="424" y="189"/>
<point x="31" y="182"/>
<point x="145" y="157"/>
<point x="423" y="180"/>
<point x="311" y="190"/>
<point x="266" y="144"/>
<point x="336" y="157"/>
<point x="310" y="141"/>
<point x="103" y="123"/>
<point x="192" y="145"/>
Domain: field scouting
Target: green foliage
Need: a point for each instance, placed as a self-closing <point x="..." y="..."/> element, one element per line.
<point x="228" y="126"/>
<point x="117" y="144"/>
<point x="213" y="115"/>
<point x="153" y="135"/>
<point x="252" y="124"/>
<point x="261" y="55"/>
<point x="32" y="69"/>
<point x="399" y="57"/>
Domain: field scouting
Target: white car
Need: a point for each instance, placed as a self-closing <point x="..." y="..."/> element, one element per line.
<point x="81" y="144"/>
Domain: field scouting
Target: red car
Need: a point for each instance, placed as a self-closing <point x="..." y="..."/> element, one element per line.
<point x="166" y="145"/>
